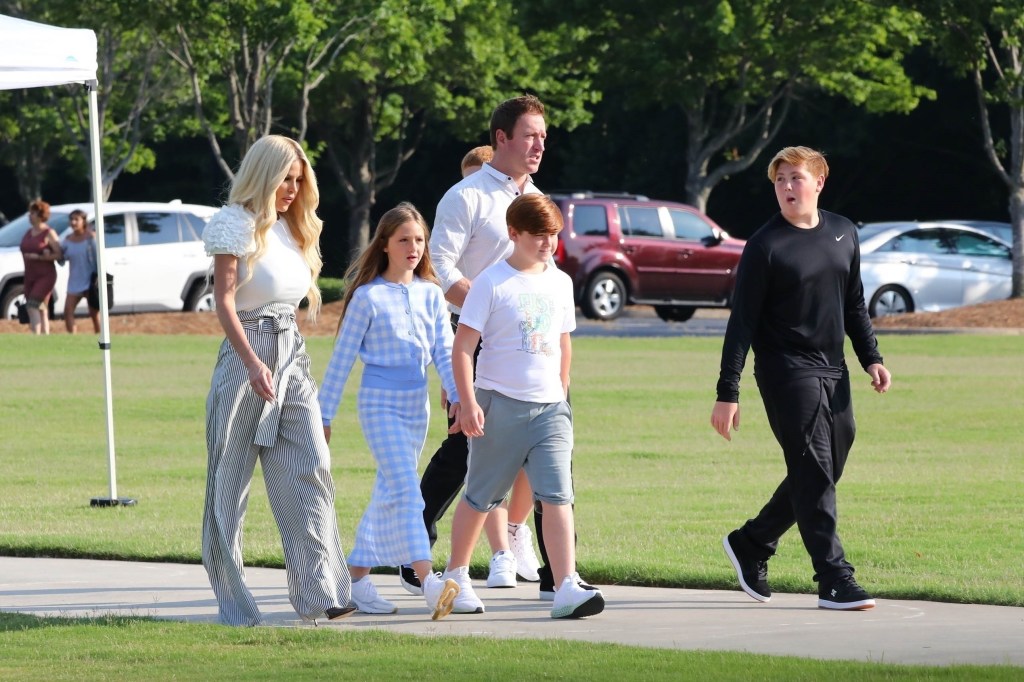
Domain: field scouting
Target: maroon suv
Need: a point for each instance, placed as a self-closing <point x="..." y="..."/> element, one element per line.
<point x="623" y="249"/>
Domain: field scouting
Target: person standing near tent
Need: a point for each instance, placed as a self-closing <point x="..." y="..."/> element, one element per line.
<point x="40" y="249"/>
<point x="263" y="401"/>
<point x="80" y="253"/>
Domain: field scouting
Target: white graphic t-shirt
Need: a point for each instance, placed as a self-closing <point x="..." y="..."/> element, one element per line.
<point x="521" y="318"/>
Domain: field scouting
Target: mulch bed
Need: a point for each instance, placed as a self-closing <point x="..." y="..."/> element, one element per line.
<point x="995" y="314"/>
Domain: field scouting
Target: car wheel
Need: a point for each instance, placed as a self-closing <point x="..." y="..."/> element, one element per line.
<point x="200" y="298"/>
<point x="675" y="313"/>
<point x="14" y="295"/>
<point x="890" y="300"/>
<point x="604" y="297"/>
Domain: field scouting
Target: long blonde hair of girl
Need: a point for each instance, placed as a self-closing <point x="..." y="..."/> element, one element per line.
<point x="262" y="171"/>
<point x="373" y="260"/>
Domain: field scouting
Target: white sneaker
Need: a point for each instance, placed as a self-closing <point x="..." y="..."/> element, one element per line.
<point x="364" y="595"/>
<point x="521" y="542"/>
<point x="503" y="570"/>
<point x="466" y="601"/>
<point x="549" y="595"/>
<point x="440" y="595"/>
<point x="572" y="600"/>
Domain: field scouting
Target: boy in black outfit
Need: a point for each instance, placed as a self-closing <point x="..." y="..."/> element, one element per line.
<point x="798" y="294"/>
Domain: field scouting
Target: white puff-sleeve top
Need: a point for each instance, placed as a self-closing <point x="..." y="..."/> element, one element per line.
<point x="281" y="275"/>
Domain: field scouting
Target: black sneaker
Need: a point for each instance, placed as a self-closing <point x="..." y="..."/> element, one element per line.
<point x="844" y="595"/>
<point x="339" y="612"/>
<point x="409" y="581"/>
<point x="753" y="573"/>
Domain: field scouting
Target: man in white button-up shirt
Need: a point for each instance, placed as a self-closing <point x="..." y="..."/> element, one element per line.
<point x="469" y="235"/>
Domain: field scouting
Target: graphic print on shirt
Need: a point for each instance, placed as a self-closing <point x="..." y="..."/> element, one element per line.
<point x="537" y="313"/>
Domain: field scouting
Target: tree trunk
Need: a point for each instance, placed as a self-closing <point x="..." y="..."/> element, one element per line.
<point x="1017" y="221"/>
<point x="358" y="227"/>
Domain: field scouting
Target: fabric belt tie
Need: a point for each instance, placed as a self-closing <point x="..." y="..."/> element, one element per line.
<point x="278" y="319"/>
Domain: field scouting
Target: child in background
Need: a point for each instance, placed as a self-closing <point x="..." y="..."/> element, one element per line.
<point x="475" y="159"/>
<point x="395" y="319"/>
<point x="80" y="253"/>
<point x="523" y="309"/>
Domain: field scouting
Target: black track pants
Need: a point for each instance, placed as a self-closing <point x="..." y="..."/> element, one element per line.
<point x="812" y="419"/>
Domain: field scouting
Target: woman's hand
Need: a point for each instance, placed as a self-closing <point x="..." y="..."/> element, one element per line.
<point x="261" y="380"/>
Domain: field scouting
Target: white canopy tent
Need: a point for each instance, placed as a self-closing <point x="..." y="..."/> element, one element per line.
<point x="37" y="55"/>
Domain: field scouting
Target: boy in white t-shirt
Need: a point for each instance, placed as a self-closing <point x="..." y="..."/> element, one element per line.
<point x="524" y="309"/>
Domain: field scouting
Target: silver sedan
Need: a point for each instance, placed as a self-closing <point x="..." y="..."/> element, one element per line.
<point x="931" y="266"/>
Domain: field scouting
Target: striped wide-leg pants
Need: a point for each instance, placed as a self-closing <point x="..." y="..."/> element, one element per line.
<point x="287" y="437"/>
<point x="391" y="531"/>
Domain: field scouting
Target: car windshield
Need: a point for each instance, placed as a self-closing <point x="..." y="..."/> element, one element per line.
<point x="869" y="230"/>
<point x="12" y="232"/>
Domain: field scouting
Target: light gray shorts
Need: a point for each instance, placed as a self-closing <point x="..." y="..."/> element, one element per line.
<point x="518" y="435"/>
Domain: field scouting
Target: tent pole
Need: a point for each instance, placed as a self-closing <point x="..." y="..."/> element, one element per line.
<point x="97" y="197"/>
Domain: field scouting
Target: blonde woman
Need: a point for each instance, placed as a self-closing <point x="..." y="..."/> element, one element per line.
<point x="263" y="402"/>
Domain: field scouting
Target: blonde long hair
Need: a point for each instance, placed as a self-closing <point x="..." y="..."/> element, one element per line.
<point x="373" y="260"/>
<point x="262" y="171"/>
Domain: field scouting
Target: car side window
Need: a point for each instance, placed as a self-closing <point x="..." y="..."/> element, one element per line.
<point x="976" y="245"/>
<point x="638" y="221"/>
<point x="590" y="221"/>
<point x="191" y="227"/>
<point x="158" y="228"/>
<point x="934" y="242"/>
<point x="113" y="230"/>
<point x="689" y="226"/>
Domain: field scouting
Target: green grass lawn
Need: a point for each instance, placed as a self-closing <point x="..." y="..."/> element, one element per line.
<point x="127" y="648"/>
<point x="929" y="505"/>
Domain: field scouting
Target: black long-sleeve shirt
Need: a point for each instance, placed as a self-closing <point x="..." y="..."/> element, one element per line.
<point x="798" y="294"/>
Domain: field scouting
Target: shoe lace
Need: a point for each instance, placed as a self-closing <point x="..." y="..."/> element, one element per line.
<point x="762" y="569"/>
<point x="845" y="582"/>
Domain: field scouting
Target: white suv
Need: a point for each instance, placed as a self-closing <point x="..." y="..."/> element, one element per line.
<point x="154" y="251"/>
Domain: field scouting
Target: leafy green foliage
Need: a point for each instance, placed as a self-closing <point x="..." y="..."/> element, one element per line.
<point x="984" y="40"/>
<point x="728" y="68"/>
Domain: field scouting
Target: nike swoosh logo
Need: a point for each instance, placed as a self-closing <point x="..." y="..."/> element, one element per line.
<point x="840" y="237"/>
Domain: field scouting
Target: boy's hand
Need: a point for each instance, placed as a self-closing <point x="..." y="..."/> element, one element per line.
<point x="725" y="416"/>
<point x="881" y="378"/>
<point x="472" y="420"/>
<point x="454" y="412"/>
<point x="327" y="433"/>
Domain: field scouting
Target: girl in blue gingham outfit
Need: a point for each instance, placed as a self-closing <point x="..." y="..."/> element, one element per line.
<point x="395" y="319"/>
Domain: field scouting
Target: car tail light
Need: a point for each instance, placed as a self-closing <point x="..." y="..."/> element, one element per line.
<point x="560" y="252"/>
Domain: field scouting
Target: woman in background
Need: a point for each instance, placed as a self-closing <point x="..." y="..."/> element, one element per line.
<point x="40" y="248"/>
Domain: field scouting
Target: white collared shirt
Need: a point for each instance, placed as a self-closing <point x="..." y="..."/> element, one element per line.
<point x="470" y="233"/>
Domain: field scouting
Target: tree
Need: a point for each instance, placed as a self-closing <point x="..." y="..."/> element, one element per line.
<point x="434" y="62"/>
<point x="984" y="41"/>
<point x="731" y="69"/>
<point x="137" y="96"/>
<point x="29" y="146"/>
<point x="233" y="54"/>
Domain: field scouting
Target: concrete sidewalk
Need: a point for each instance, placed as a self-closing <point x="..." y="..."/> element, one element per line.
<point x="914" y="632"/>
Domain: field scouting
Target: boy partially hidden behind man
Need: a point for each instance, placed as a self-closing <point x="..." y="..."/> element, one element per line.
<point x="524" y="309"/>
